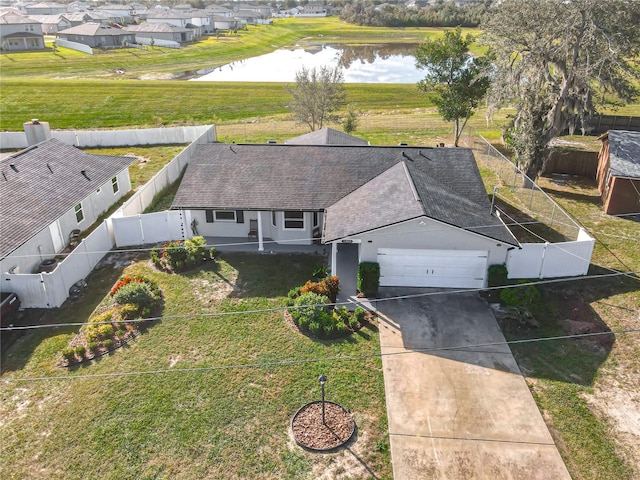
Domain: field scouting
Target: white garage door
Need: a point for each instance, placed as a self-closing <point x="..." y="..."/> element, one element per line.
<point x="400" y="267"/>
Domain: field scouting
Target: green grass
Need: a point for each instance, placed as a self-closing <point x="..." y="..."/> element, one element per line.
<point x="229" y="421"/>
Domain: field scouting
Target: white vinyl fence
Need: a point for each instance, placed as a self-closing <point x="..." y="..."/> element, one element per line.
<point x="550" y="260"/>
<point x="50" y="290"/>
<point x="126" y="227"/>
<point x="80" y="47"/>
<point x="150" y="228"/>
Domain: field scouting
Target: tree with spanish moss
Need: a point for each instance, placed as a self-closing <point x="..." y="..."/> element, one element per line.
<point x="317" y="96"/>
<point x="556" y="64"/>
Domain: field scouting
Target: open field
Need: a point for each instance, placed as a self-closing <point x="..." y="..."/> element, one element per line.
<point x="220" y="404"/>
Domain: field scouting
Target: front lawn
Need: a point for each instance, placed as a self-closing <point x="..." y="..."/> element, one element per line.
<point x="217" y="382"/>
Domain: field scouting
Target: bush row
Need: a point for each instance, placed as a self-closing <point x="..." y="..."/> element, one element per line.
<point x="180" y="255"/>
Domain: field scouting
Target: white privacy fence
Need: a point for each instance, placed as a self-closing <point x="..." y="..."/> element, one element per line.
<point x="550" y="260"/>
<point x="149" y="228"/>
<point x="544" y="259"/>
<point x="116" y="138"/>
<point x="126" y="227"/>
<point x="49" y="290"/>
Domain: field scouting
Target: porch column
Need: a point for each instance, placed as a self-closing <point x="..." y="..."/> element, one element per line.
<point x="334" y="252"/>
<point x="260" y="242"/>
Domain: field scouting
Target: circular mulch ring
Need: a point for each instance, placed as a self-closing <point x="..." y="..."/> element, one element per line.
<point x="311" y="433"/>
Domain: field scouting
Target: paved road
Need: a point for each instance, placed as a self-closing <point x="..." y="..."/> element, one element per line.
<point x="465" y="413"/>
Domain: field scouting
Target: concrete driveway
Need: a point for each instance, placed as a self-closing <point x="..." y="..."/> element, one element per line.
<point x="463" y="413"/>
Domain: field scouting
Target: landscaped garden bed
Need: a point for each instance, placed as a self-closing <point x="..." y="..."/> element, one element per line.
<point x="312" y="310"/>
<point x="118" y="319"/>
<point x="181" y="255"/>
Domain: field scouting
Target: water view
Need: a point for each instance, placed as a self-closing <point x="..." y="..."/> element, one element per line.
<point x="360" y="64"/>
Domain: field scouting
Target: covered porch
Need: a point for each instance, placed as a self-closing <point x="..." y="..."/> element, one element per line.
<point x="244" y="244"/>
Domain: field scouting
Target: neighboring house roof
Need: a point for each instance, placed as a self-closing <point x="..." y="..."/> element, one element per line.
<point x="326" y="136"/>
<point x="49" y="19"/>
<point x="155" y="28"/>
<point x="93" y="30"/>
<point x="10" y="19"/>
<point x="41" y="183"/>
<point x="624" y="153"/>
<point x="340" y="178"/>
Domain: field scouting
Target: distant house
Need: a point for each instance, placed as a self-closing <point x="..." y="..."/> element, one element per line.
<point x="45" y="8"/>
<point x="619" y="172"/>
<point x="160" y="31"/>
<point x="52" y="24"/>
<point x="19" y="33"/>
<point x="98" y="36"/>
<point x="103" y="18"/>
<point x="125" y="14"/>
<point x="199" y="23"/>
<point x="48" y="191"/>
<point x="313" y="10"/>
<point x="423" y="214"/>
<point x="219" y="11"/>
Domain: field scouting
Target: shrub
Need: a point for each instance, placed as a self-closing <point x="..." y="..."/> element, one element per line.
<point x="315" y="328"/>
<point x="353" y="322"/>
<point x="333" y="287"/>
<point x="155" y="256"/>
<point x="119" y="333"/>
<point x="359" y="314"/>
<point x="92" y="333"/>
<point x="212" y="253"/>
<point x="195" y="248"/>
<point x="123" y="281"/>
<point x="139" y="294"/>
<point x="102" y="317"/>
<point x="69" y="354"/>
<point x="320" y="271"/>
<point x="128" y="311"/>
<point x="369" y="278"/>
<point x="175" y="253"/>
<point x="81" y="350"/>
<point x="105" y="330"/>
<point x="343" y="314"/>
<point x="520" y="296"/>
<point x="108" y="344"/>
<point x="497" y="275"/>
<point x="94" y="347"/>
<point x="308" y="308"/>
<point x="328" y="287"/>
<point x="294" y="293"/>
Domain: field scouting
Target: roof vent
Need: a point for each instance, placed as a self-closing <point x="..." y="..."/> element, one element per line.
<point x="406" y="156"/>
<point x="13" y="167"/>
<point x="84" y="174"/>
<point x="403" y="144"/>
<point x="271" y="142"/>
<point x="49" y="167"/>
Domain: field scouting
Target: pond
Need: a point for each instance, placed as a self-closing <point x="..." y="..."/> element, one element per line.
<point x="360" y="64"/>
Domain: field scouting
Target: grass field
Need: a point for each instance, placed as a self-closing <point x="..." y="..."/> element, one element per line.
<point x="221" y="406"/>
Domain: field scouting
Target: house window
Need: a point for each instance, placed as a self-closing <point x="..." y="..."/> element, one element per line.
<point x="208" y="215"/>
<point x="79" y="212"/>
<point x="273" y="219"/>
<point x="315" y="219"/>
<point x="114" y="185"/>
<point x="293" y="220"/>
<point x="225" y="215"/>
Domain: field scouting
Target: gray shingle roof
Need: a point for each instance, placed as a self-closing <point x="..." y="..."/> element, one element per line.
<point x="155" y="28"/>
<point x="624" y="153"/>
<point x="34" y="196"/>
<point x="326" y="136"/>
<point x="315" y="177"/>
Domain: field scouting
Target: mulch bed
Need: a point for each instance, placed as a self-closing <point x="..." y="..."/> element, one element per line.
<point x="310" y="432"/>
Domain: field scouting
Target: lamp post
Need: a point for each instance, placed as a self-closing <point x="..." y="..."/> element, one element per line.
<point x="322" y="379"/>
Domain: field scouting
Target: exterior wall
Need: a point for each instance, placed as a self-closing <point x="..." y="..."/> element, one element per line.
<point x="22" y="36"/>
<point x="278" y="233"/>
<point x="100" y="40"/>
<point x="28" y="256"/>
<point x="623" y="196"/>
<point x="432" y="235"/>
<point x="603" y="166"/>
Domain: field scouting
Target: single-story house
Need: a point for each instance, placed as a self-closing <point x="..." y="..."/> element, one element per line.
<point x="179" y="19"/>
<point x="52" y="24"/>
<point x="161" y="31"/>
<point x="18" y="32"/>
<point x="326" y="136"/>
<point x="619" y="172"/>
<point x="45" y="8"/>
<point x="91" y="17"/>
<point x="49" y="192"/>
<point x="423" y="214"/>
<point x="98" y="36"/>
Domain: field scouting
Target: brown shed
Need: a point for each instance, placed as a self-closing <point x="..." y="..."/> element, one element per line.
<point x="619" y="172"/>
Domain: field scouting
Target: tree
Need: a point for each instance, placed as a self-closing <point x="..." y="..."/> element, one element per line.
<point x="459" y="79"/>
<point x="350" y="121"/>
<point x="317" y="95"/>
<point x="556" y="63"/>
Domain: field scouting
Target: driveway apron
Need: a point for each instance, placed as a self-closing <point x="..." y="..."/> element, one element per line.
<point x="463" y="412"/>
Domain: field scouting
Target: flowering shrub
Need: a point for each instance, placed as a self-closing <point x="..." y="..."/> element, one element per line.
<point x="328" y="287"/>
<point x="125" y="280"/>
